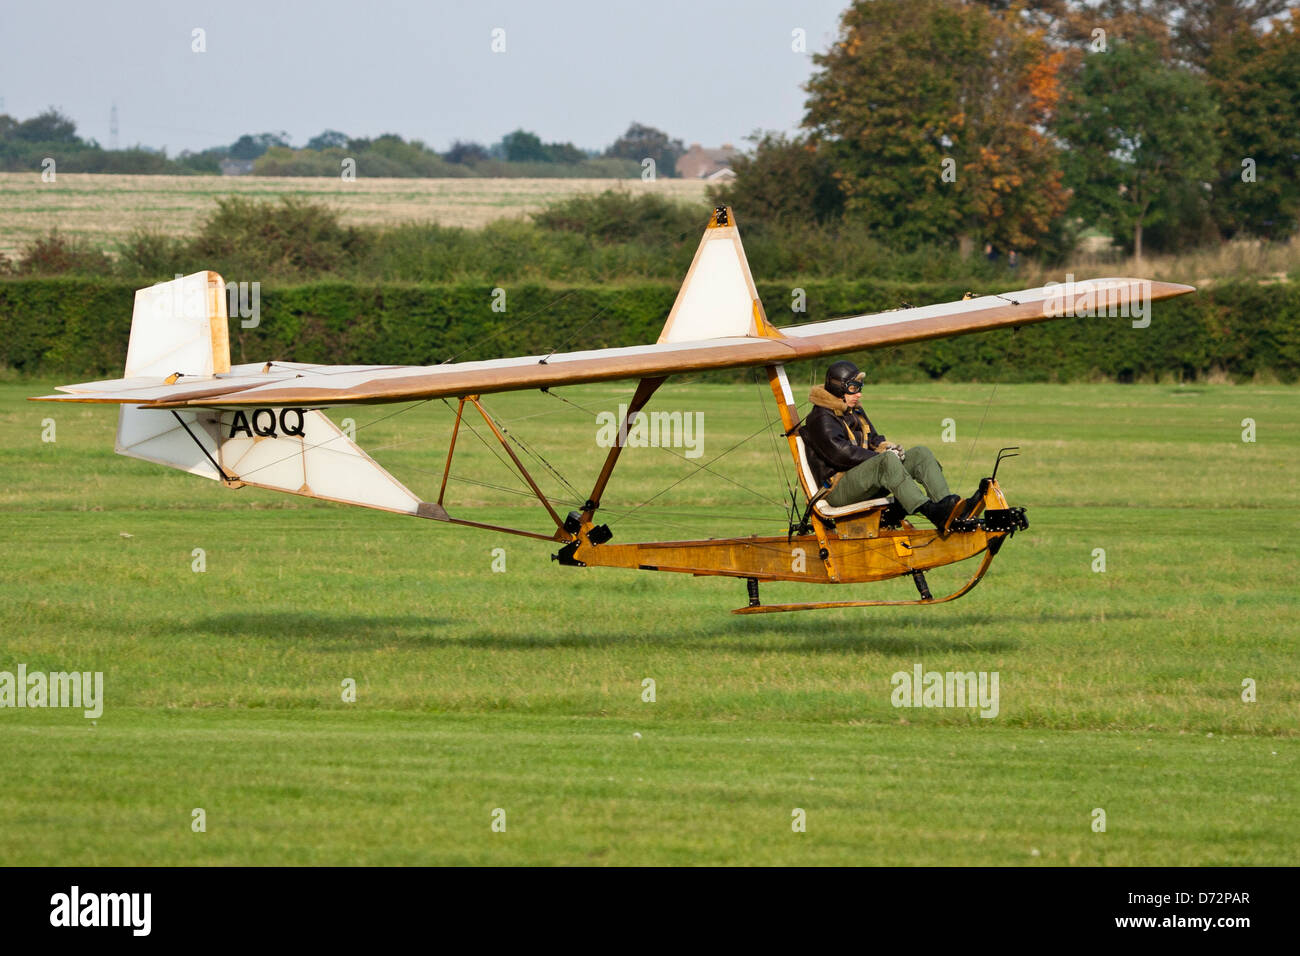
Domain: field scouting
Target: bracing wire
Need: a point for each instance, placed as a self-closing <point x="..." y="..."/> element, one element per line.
<point x="704" y="467"/>
<point x="676" y="454"/>
<point x="971" y="452"/>
<point x="536" y="456"/>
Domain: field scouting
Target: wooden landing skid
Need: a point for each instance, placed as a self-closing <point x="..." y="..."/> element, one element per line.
<point x="818" y="605"/>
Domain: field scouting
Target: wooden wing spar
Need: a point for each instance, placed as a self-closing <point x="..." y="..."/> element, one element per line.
<point x="184" y="406"/>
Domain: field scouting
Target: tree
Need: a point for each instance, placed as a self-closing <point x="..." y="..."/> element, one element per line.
<point x="48" y="127"/>
<point x="329" y="139"/>
<point x="933" y="114"/>
<point x="251" y="147"/>
<point x="564" y="153"/>
<point x="1139" y="132"/>
<point x="1255" y="79"/>
<point x="465" y="152"/>
<point x="524" y="147"/>
<point x="645" y="142"/>
<point x="785" y="180"/>
<point x="1204" y="27"/>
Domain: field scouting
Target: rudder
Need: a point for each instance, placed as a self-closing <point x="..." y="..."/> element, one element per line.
<point x="180" y="327"/>
<point x="177" y="328"/>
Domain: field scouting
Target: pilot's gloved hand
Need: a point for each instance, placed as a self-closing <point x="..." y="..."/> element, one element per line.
<point x="888" y="446"/>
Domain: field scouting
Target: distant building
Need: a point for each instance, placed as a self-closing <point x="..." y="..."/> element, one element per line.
<point x="701" y="163"/>
<point x="723" y="174"/>
<point x="236" y="167"/>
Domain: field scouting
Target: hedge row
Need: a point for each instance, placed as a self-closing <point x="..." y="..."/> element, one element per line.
<point x="78" y="327"/>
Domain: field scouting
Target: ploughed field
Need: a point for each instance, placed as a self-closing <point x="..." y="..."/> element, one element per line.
<point x="492" y="684"/>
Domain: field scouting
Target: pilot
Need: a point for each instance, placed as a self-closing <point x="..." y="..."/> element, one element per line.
<point x="849" y="456"/>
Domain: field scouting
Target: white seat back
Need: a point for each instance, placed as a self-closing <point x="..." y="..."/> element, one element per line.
<point x="812" y="488"/>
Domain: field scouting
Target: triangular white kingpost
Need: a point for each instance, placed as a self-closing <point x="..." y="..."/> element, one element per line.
<point x="718" y="298"/>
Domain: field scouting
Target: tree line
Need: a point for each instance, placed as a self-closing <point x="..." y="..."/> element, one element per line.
<point x="1021" y="125"/>
<point x="25" y="144"/>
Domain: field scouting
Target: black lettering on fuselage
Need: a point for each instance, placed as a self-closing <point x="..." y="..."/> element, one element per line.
<point x="269" y="430"/>
<point x="240" y="424"/>
<point x="293" y="421"/>
<point x="298" y="429"/>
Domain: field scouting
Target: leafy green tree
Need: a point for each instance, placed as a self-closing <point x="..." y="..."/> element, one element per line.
<point x="329" y="139"/>
<point x="564" y="153"/>
<point x="390" y="155"/>
<point x="522" y="146"/>
<point x="1203" y="28"/>
<point x="50" y="126"/>
<point x="933" y="114"/>
<point x="463" y="152"/>
<point x="1256" y="81"/>
<point x="1139" y="132"/>
<point x="784" y="181"/>
<point x="645" y="142"/>
<point x="251" y="147"/>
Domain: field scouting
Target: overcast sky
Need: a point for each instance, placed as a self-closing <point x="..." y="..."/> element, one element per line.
<point x="707" y="71"/>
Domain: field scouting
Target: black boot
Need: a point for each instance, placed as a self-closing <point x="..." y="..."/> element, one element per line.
<point x="941" y="513"/>
<point x="893" y="516"/>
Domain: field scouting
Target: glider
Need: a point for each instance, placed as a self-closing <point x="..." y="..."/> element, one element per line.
<point x="184" y="406"/>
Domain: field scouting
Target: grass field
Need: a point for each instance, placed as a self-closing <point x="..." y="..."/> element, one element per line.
<point x="104" y="209"/>
<point x="522" y="690"/>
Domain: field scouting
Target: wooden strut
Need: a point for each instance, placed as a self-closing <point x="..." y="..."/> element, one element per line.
<point x="438" y="512"/>
<point x="494" y="527"/>
<point x="451" y="449"/>
<point x="518" y="464"/>
<point x="817" y="605"/>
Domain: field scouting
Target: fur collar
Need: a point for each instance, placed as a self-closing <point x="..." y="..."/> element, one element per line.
<point x="824" y="399"/>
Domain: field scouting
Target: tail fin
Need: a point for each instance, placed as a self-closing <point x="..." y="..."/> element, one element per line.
<point x="176" y="327"/>
<point x="180" y="326"/>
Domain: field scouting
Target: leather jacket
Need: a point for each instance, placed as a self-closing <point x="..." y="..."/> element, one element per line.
<point x="836" y="436"/>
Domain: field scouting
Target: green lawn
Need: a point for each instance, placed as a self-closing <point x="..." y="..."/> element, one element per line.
<point x="522" y="690"/>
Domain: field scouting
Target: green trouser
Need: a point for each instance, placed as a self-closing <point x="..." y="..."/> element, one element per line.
<point x="884" y="474"/>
